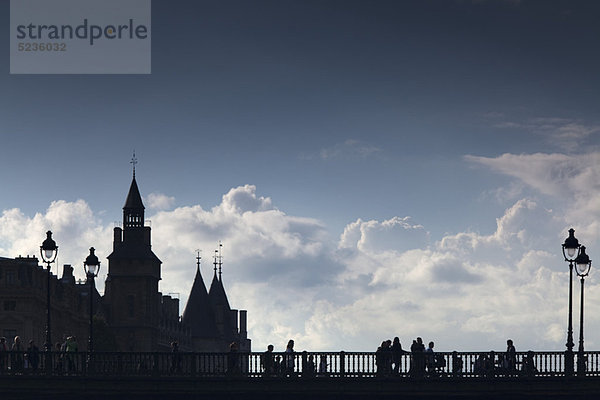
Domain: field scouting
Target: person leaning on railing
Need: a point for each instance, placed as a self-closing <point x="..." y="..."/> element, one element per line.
<point x="268" y="361"/>
<point x="417" y="362"/>
<point x="175" y="357"/>
<point x="233" y="360"/>
<point x="483" y="365"/>
<point x="33" y="356"/>
<point x="289" y="359"/>
<point x="510" y="357"/>
<point x="397" y="355"/>
<point x="457" y="365"/>
<point x="70" y="350"/>
<point x="323" y="365"/>
<point x="529" y="368"/>
<point x="16" y="358"/>
<point x="308" y="365"/>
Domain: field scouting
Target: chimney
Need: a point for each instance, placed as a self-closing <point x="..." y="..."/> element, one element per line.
<point x="147" y="236"/>
<point x="234" y="321"/>
<point x="67" y="275"/>
<point x="243" y="323"/>
<point x="117" y="238"/>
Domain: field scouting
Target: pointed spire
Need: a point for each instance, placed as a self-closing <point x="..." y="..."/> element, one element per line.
<point x="198" y="314"/>
<point x="134" y="198"/>
<point x="133" y="211"/>
<point x="217" y="291"/>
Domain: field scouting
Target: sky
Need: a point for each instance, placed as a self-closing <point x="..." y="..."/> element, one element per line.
<point x="373" y="168"/>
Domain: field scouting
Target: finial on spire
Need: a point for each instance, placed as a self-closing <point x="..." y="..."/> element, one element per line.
<point x="220" y="259"/>
<point x="198" y="258"/>
<point x="133" y="161"/>
<point x="215" y="261"/>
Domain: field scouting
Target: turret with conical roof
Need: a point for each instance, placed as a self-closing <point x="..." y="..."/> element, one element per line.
<point x="225" y="317"/>
<point x="133" y="210"/>
<point x="199" y="315"/>
<point x="217" y="294"/>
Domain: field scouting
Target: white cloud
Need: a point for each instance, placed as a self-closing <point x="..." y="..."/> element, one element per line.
<point x="393" y="233"/>
<point x="377" y="280"/>
<point x="573" y="180"/>
<point x="75" y="229"/>
<point x="261" y="243"/>
<point x="243" y="199"/>
<point x="159" y="201"/>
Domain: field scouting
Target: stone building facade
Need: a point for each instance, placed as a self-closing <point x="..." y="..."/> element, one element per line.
<point x="23" y="302"/>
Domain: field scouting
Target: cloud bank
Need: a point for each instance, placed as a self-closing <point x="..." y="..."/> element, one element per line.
<point x="375" y="279"/>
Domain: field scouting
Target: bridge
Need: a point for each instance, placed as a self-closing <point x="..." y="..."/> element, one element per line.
<point x="243" y="375"/>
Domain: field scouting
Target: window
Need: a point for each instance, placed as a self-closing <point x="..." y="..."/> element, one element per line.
<point x="10" y="305"/>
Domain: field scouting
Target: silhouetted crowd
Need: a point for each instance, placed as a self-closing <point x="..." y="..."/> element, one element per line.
<point x="424" y="362"/>
<point x="419" y="362"/>
<point x="391" y="360"/>
<point x="20" y="359"/>
<point x="284" y="365"/>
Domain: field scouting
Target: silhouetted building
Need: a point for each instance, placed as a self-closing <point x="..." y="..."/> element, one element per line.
<point x="140" y="317"/>
<point x="131" y="297"/>
<point x="213" y="324"/>
<point x="23" y="302"/>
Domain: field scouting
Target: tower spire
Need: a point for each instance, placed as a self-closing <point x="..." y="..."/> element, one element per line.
<point x="133" y="211"/>
<point x="133" y="162"/>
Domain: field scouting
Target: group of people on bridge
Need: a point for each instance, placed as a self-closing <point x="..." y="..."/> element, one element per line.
<point x="390" y="360"/>
<point x="20" y="359"/>
<point x="424" y="362"/>
<point x="285" y="365"/>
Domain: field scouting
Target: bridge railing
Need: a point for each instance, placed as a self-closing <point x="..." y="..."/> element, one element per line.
<point x="299" y="364"/>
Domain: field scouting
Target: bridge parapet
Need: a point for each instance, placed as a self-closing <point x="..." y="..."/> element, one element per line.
<point x="299" y="364"/>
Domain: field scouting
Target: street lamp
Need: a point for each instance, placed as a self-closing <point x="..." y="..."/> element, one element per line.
<point x="570" y="250"/>
<point x="48" y="251"/>
<point x="91" y="266"/>
<point x="583" y="264"/>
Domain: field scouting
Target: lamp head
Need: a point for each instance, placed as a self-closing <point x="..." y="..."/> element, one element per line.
<point x="571" y="246"/>
<point x="583" y="264"/>
<point x="49" y="249"/>
<point x="91" y="264"/>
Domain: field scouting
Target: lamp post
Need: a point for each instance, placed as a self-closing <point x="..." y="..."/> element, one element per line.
<point x="583" y="264"/>
<point x="48" y="251"/>
<point x="91" y="266"/>
<point x="570" y="250"/>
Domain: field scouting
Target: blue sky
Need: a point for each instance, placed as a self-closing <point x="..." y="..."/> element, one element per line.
<point x="358" y="153"/>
